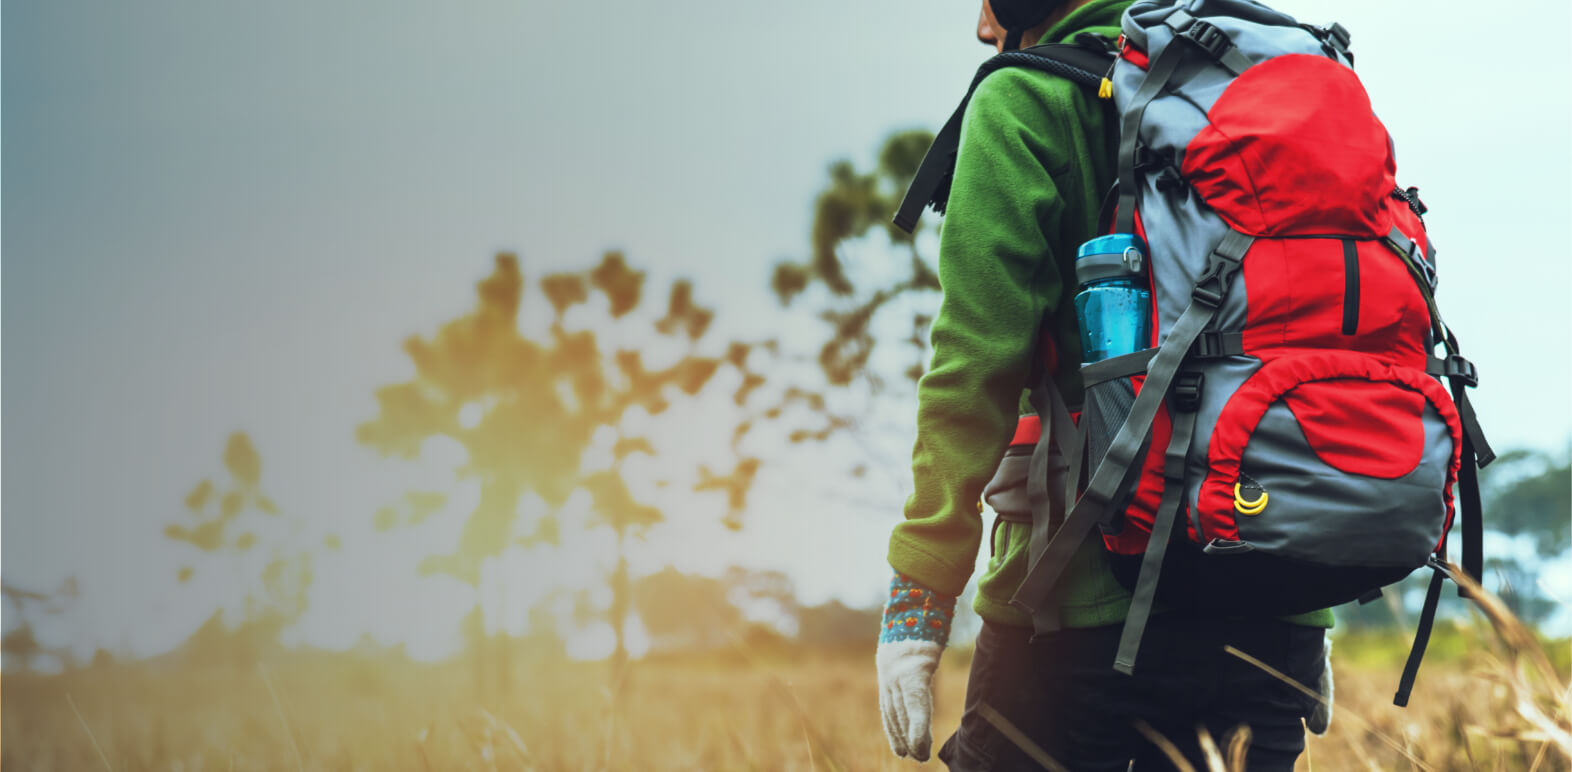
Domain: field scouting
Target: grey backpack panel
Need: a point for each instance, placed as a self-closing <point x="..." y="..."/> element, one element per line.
<point x="1326" y="515"/>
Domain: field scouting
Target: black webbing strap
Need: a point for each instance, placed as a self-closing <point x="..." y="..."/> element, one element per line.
<point x="931" y="184"/>
<point x="1111" y="472"/>
<point x="1472" y="431"/>
<point x="1157" y="75"/>
<point x="1472" y="509"/>
<point x="1157" y="544"/>
<point x="1427" y="618"/>
<point x="1476" y="452"/>
<point x="1049" y="482"/>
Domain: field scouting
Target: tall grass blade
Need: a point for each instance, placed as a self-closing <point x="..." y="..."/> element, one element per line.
<point x="90" y="738"/>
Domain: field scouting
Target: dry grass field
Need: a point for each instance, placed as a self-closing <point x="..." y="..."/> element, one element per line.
<point x="335" y="713"/>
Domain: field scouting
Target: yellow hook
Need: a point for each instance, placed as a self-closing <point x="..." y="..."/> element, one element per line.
<point x="1248" y="507"/>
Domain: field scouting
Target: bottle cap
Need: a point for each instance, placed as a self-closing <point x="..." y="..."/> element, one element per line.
<point x="1117" y="255"/>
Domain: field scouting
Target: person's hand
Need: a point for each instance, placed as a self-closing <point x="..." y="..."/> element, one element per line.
<point x="1320" y="718"/>
<point x="915" y="628"/>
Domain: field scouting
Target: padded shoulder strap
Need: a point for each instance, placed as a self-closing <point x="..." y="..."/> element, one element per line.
<point x="1076" y="62"/>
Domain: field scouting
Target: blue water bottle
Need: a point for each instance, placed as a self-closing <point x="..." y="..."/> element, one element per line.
<point x="1114" y="305"/>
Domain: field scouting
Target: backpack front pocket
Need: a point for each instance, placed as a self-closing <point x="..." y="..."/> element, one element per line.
<point x="1333" y="458"/>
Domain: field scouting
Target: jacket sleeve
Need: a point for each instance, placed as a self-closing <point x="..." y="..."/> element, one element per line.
<point x="999" y="278"/>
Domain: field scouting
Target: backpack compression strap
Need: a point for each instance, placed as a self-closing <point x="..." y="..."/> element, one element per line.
<point x="1475" y="455"/>
<point x="1076" y="62"/>
<point x="1112" y="473"/>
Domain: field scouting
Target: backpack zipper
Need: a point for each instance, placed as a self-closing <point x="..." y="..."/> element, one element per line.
<point x="1350" y="287"/>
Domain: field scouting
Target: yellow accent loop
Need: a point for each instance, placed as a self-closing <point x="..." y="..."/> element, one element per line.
<point x="1105" y="89"/>
<point x="979" y="506"/>
<point x="1248" y="507"/>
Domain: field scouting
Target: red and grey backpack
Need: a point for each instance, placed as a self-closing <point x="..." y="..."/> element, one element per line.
<point x="1292" y="436"/>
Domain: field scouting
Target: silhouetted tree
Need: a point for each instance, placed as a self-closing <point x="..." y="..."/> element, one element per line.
<point x="526" y="409"/>
<point x="20" y="647"/>
<point x="873" y="281"/>
<point x="239" y="520"/>
<point x="855" y="205"/>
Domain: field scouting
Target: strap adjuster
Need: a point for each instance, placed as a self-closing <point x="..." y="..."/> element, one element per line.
<point x="1213" y="344"/>
<point x="1340" y="36"/>
<point x="1456" y="367"/>
<point x="1208" y="37"/>
<point x="1187" y="391"/>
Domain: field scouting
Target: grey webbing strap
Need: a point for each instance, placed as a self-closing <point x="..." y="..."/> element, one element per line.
<point x="1122" y="366"/>
<point x="1210" y="39"/>
<point x="1072" y="476"/>
<point x="1130" y="132"/>
<point x="1234" y="60"/>
<point x="1046" y="477"/>
<point x="1157" y="545"/>
<point x="1111" y="472"/>
<point x="1209" y="344"/>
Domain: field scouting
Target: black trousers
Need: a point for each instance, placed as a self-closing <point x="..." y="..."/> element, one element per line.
<point x="1062" y="693"/>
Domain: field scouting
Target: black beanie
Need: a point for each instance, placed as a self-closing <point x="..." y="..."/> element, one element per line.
<point x="1018" y="16"/>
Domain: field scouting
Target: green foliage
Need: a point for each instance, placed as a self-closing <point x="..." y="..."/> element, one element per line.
<point x="1529" y="492"/>
<point x="1525" y="492"/>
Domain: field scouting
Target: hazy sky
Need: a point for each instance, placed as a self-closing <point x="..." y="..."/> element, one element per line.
<point x="225" y="215"/>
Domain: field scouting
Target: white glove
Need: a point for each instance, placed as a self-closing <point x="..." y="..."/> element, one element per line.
<point x="1320" y="719"/>
<point x="906" y="694"/>
<point x="912" y="635"/>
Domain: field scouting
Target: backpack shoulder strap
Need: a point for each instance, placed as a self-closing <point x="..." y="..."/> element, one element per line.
<point x="1084" y="62"/>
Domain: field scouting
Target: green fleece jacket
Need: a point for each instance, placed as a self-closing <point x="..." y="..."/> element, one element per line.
<point x="1033" y="162"/>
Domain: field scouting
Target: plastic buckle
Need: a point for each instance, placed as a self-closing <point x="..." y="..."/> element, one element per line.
<point x="1417" y="255"/>
<point x="1339" y="35"/>
<point x="1169" y="180"/>
<point x="1417" y="205"/>
<point x="1457" y="367"/>
<point x="1208" y="37"/>
<point x="1220" y="274"/>
<point x="1206" y="296"/>
<point x="1187" y="391"/>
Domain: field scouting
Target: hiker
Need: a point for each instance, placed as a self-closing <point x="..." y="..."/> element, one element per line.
<point x="1034" y="162"/>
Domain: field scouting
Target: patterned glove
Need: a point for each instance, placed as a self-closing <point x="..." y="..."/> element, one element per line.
<point x="915" y="628"/>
